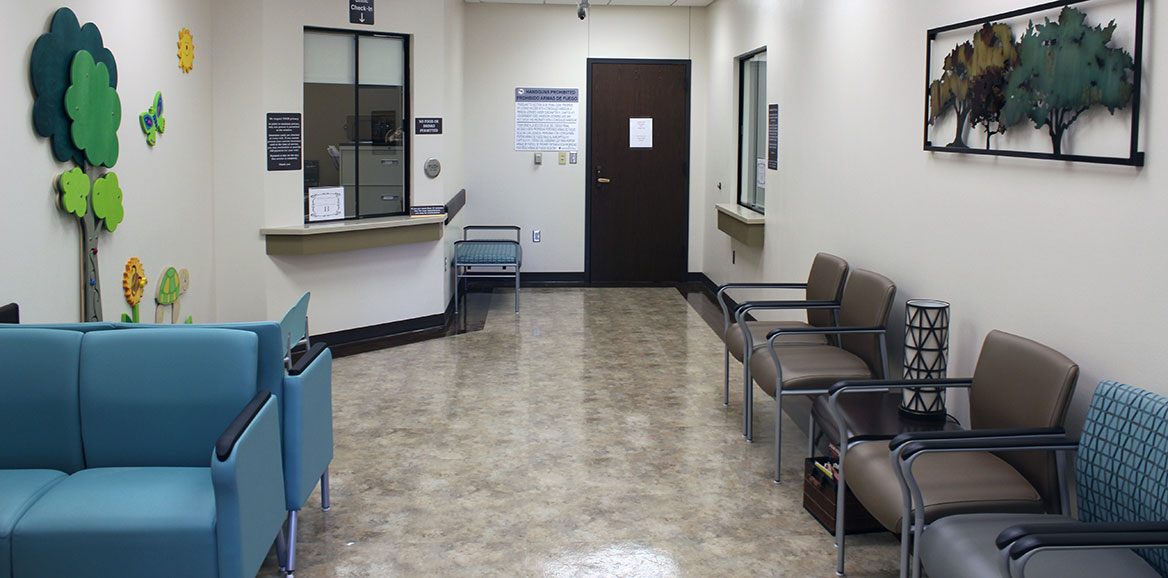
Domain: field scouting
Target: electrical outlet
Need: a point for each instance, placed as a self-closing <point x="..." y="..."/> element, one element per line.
<point x="572" y="158"/>
<point x="536" y="236"/>
<point x="563" y="158"/>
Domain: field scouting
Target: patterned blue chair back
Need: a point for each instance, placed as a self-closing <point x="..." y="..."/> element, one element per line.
<point x="1122" y="468"/>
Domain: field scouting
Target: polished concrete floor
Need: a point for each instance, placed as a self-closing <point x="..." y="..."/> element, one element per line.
<point x="583" y="437"/>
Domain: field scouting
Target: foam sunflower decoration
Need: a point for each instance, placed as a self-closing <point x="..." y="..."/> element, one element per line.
<point x="186" y="50"/>
<point x="134" y="286"/>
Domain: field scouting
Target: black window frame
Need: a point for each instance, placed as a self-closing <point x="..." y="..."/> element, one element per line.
<point x="742" y="61"/>
<point x="407" y="134"/>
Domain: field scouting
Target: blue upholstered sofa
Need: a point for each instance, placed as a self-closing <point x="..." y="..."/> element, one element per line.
<point x="303" y="395"/>
<point x="136" y="453"/>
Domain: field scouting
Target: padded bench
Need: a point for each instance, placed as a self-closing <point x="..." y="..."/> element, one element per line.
<point x="503" y="256"/>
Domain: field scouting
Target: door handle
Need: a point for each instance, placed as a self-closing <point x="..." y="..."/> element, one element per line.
<point x="603" y="180"/>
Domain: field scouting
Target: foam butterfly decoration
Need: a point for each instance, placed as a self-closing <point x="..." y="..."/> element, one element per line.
<point x="152" y="122"/>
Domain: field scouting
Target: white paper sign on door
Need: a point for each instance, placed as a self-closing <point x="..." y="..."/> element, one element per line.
<point x="641" y="133"/>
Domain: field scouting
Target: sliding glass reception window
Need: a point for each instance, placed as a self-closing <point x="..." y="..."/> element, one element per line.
<point x="356" y="142"/>
<point x="752" y="130"/>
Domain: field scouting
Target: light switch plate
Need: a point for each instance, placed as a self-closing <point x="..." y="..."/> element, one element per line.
<point x="536" y="236"/>
<point x="563" y="158"/>
<point x="539" y="158"/>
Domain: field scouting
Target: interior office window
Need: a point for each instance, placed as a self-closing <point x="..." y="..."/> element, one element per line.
<point x="752" y="131"/>
<point x="355" y="115"/>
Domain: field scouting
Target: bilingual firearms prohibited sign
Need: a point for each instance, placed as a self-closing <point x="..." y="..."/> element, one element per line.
<point x="547" y="119"/>
<point x="361" y="12"/>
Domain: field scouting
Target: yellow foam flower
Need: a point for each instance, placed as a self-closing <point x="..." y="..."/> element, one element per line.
<point x="134" y="281"/>
<point x="186" y="50"/>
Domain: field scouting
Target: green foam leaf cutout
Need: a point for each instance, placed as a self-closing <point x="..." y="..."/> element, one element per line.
<point x="73" y="187"/>
<point x="107" y="201"/>
<point x="95" y="109"/>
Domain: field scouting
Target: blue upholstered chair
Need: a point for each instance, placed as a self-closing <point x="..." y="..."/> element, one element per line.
<point x="304" y="391"/>
<point x="1121" y="475"/>
<point x="129" y="453"/>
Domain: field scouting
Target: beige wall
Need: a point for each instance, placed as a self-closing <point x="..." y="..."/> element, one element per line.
<point x="1066" y="254"/>
<point x="350" y="289"/>
<point x="167" y="189"/>
<point x="510" y="46"/>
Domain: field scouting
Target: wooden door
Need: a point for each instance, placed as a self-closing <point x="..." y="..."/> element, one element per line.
<point x="638" y="176"/>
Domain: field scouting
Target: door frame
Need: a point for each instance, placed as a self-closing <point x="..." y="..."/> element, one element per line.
<point x="589" y="178"/>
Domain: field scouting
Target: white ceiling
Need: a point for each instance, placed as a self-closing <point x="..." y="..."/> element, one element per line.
<point x="602" y="2"/>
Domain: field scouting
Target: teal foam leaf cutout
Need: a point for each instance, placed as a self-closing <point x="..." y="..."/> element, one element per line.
<point x="95" y="109"/>
<point x="107" y="201"/>
<point x="49" y="66"/>
<point x="73" y="187"/>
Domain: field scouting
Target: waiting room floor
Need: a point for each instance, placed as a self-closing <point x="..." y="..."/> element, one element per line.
<point x="583" y="437"/>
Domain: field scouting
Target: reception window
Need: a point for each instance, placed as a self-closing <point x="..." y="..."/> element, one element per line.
<point x="356" y="142"/>
<point x="752" y="131"/>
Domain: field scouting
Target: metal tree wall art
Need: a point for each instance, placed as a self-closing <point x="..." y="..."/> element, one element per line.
<point x="77" y="107"/>
<point x="1066" y="68"/>
<point x="1047" y="78"/>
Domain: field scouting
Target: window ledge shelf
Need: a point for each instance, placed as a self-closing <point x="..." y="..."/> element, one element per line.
<point x="741" y="223"/>
<point x="336" y="236"/>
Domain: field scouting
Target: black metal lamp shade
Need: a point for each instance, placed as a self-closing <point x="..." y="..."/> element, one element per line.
<point x="926" y="356"/>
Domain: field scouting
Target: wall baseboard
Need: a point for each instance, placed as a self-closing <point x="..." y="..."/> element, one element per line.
<point x="350" y="341"/>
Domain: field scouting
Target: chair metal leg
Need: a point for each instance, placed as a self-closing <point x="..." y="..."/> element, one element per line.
<point x="291" y="543"/>
<point x="840" y="495"/>
<point x="811" y="436"/>
<point x="747" y="398"/>
<point x="457" y="280"/>
<point x="517" y="289"/>
<point x="282" y="550"/>
<point x="324" y="491"/>
<point x="778" y="433"/>
<point x="726" y="376"/>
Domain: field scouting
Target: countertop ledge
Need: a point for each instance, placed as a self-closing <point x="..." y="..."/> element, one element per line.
<point x="740" y="213"/>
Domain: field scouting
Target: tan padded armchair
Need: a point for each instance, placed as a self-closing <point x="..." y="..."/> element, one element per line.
<point x="1017" y="384"/>
<point x="811" y="369"/>
<point x="742" y="337"/>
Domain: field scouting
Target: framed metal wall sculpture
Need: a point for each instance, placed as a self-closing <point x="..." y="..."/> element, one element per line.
<point x="1057" y="81"/>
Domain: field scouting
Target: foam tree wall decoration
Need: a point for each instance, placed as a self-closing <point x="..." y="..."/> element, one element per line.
<point x="74" y="78"/>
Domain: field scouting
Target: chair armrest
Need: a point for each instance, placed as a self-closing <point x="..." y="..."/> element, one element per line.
<point x="787" y="304"/>
<point x="305" y="360"/>
<point x="822" y="330"/>
<point x="308" y="427"/>
<point x="1095" y="533"/>
<point x="249" y="487"/>
<point x="886" y="385"/>
<point x="1019" y="543"/>
<point x="720" y="296"/>
<point x="984" y="439"/>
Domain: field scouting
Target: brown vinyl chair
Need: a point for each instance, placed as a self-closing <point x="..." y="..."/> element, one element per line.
<point x="1018" y="384"/>
<point x="811" y="369"/>
<point x="822" y="292"/>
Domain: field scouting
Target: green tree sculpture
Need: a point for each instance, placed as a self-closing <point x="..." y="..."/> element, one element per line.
<point x="951" y="91"/>
<point x="77" y="107"/>
<point x="1065" y="69"/>
<point x="994" y="55"/>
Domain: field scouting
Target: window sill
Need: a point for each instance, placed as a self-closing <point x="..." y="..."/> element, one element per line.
<point x="742" y="224"/>
<point x="336" y="236"/>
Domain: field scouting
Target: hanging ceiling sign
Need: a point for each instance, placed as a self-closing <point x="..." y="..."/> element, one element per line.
<point x="361" y="12"/>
